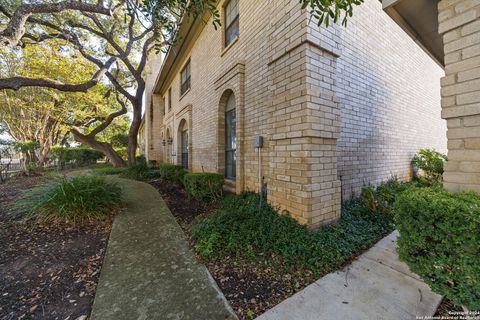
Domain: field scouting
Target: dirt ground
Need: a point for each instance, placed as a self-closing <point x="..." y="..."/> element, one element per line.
<point x="47" y="271"/>
<point x="251" y="288"/>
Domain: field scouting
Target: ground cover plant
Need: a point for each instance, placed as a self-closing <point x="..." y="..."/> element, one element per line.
<point x="71" y="199"/>
<point x="47" y="270"/>
<point x="259" y="257"/>
<point x="440" y="241"/>
<point x="244" y="229"/>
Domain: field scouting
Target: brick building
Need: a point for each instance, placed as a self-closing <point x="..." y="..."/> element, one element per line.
<point x="455" y="43"/>
<point x="337" y="108"/>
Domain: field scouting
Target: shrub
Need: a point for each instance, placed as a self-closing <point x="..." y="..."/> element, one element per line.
<point x="71" y="199"/>
<point x="138" y="171"/>
<point x="79" y="155"/>
<point x="204" y="186"/>
<point x="431" y="163"/>
<point x="242" y="227"/>
<point x="153" y="164"/>
<point x="172" y="172"/>
<point x="440" y="241"/>
<point x="108" y="170"/>
<point x="382" y="197"/>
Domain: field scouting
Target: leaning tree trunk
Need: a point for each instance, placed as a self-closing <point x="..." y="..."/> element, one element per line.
<point x="103" y="147"/>
<point x="133" y="133"/>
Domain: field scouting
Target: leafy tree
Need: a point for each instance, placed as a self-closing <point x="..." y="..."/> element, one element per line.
<point x="116" y="40"/>
<point x="50" y="116"/>
<point x="327" y="11"/>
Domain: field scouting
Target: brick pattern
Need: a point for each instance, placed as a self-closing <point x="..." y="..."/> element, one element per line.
<point x="151" y="143"/>
<point x="321" y="107"/>
<point x="389" y="97"/>
<point x="459" y="23"/>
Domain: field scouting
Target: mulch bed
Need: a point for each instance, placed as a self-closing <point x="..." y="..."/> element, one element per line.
<point x="185" y="210"/>
<point x="445" y="307"/>
<point x="47" y="271"/>
<point x="251" y="287"/>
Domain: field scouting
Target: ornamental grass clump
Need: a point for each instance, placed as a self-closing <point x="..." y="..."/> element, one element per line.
<point x="71" y="199"/>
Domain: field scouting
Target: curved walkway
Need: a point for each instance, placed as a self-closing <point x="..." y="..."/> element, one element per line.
<point x="149" y="271"/>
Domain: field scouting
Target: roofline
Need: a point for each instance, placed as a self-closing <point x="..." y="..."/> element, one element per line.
<point x="389" y="8"/>
<point x="184" y="37"/>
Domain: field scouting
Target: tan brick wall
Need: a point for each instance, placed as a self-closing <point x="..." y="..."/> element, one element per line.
<point x="459" y="23"/>
<point x="153" y="113"/>
<point x="388" y="90"/>
<point x="291" y="84"/>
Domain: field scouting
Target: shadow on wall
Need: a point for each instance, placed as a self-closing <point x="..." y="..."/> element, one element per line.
<point x="389" y="93"/>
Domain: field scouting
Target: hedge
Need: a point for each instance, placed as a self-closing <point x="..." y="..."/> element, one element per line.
<point x="80" y="155"/>
<point x="204" y="186"/>
<point x="172" y="172"/>
<point x="440" y="241"/>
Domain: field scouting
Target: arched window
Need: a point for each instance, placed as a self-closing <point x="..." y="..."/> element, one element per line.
<point x="230" y="139"/>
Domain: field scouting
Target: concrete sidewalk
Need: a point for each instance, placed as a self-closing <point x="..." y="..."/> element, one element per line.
<point x="149" y="271"/>
<point x="376" y="286"/>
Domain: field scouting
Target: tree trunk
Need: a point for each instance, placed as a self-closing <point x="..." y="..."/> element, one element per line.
<point x="103" y="147"/>
<point x="133" y="133"/>
<point x="42" y="155"/>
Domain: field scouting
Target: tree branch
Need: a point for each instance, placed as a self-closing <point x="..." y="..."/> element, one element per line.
<point x="16" y="83"/>
<point x="109" y="119"/>
<point x="15" y="28"/>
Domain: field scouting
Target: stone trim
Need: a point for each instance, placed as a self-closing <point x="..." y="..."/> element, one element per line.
<point x="304" y="42"/>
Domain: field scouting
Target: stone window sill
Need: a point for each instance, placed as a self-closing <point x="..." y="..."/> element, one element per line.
<point x="231" y="44"/>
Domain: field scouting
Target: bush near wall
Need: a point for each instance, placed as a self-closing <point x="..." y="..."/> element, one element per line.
<point x="138" y="171"/>
<point x="430" y="162"/>
<point x="204" y="186"/>
<point x="440" y="241"/>
<point x="382" y="197"/>
<point x="172" y="172"/>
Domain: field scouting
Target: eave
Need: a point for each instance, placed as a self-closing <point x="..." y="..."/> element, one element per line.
<point x="419" y="19"/>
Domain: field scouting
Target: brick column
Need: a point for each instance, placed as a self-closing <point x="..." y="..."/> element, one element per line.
<point x="459" y="24"/>
<point x="302" y="166"/>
